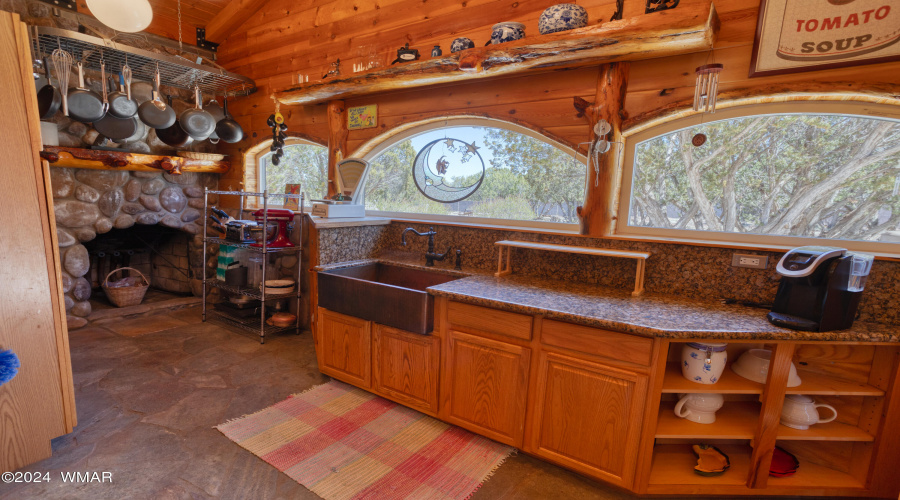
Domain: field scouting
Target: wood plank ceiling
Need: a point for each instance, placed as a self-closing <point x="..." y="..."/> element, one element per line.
<point x="194" y="14"/>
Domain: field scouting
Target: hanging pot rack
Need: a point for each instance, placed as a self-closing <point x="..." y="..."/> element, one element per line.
<point x="174" y="71"/>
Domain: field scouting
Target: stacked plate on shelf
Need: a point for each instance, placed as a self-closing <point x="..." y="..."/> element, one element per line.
<point x="783" y="463"/>
<point x="710" y="460"/>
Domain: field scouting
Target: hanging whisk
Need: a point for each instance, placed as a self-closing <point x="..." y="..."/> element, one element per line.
<point x="62" y="64"/>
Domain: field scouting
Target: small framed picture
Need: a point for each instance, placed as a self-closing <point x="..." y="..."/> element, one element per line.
<point x="795" y="35"/>
<point x="362" y="117"/>
<point x="292" y="203"/>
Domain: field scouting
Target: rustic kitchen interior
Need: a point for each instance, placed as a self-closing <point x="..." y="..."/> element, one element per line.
<point x="468" y="249"/>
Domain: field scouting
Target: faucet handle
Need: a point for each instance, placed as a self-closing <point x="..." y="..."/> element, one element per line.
<point x="458" y="264"/>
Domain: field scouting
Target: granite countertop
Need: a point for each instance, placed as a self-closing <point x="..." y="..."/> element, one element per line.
<point x="650" y="315"/>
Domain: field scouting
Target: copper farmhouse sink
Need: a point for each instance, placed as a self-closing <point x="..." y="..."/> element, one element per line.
<point x="386" y="294"/>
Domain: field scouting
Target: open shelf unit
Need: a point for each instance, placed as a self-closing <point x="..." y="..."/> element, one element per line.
<point x="258" y="324"/>
<point x="834" y="456"/>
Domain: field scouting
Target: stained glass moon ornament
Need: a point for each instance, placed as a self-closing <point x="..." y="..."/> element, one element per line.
<point x="448" y="170"/>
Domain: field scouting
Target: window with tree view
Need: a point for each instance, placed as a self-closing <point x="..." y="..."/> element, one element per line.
<point x="803" y="175"/>
<point x="303" y="163"/>
<point x="525" y="178"/>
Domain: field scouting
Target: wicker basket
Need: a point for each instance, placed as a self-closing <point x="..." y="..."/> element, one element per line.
<point x="127" y="295"/>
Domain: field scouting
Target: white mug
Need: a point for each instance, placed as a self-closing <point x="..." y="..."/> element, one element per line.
<point x="700" y="408"/>
<point x="799" y="412"/>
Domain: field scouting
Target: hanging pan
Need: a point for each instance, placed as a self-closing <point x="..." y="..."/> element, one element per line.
<point x="228" y="129"/>
<point x="198" y="123"/>
<point x="49" y="98"/>
<point x="84" y="105"/>
<point x="173" y="135"/>
<point x="154" y="112"/>
<point x="120" y="105"/>
<point x="116" y="128"/>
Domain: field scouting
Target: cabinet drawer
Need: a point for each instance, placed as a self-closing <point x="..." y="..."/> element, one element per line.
<point x="490" y="320"/>
<point x="612" y="345"/>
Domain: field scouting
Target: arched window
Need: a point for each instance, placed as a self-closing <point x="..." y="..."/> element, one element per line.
<point x="527" y="179"/>
<point x="304" y="162"/>
<point x="783" y="174"/>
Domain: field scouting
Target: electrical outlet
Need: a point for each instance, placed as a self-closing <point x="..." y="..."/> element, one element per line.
<point x="749" y="260"/>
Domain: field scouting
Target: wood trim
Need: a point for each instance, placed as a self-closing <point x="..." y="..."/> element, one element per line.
<point x="770" y="414"/>
<point x="337" y="141"/>
<point x="490" y="320"/>
<point x="746" y="95"/>
<point x="688" y="29"/>
<point x="116" y="160"/>
<point x="615" y="346"/>
<point x="651" y="415"/>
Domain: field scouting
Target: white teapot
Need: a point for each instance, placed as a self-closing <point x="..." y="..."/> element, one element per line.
<point x="799" y="412"/>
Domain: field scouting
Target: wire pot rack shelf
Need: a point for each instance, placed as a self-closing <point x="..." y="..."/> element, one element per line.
<point x="174" y="71"/>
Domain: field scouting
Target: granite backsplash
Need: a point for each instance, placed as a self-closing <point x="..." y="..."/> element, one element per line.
<point x="695" y="272"/>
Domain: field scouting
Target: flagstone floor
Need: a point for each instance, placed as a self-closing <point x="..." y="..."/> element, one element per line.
<point x="150" y="389"/>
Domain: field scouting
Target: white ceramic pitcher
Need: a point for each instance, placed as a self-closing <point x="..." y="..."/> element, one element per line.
<point x="700" y="408"/>
<point x="799" y="412"/>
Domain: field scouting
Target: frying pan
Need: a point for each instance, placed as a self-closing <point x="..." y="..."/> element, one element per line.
<point x="120" y="105"/>
<point x="84" y="105"/>
<point x="173" y="135"/>
<point x="117" y="129"/>
<point x="154" y="112"/>
<point x="217" y="113"/>
<point x="227" y="129"/>
<point x="199" y="124"/>
<point x="49" y="98"/>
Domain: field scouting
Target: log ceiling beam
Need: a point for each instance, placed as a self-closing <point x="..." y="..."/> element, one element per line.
<point x="230" y="18"/>
<point x="687" y="29"/>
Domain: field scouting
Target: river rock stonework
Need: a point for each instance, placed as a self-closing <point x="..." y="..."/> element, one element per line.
<point x="87" y="202"/>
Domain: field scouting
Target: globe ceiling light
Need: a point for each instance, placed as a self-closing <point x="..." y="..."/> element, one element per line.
<point x="129" y="16"/>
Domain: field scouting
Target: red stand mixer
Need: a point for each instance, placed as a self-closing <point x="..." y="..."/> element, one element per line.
<point x="285" y="223"/>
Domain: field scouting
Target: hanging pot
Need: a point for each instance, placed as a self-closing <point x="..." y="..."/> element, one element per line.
<point x="120" y="105"/>
<point x="228" y="129"/>
<point x="217" y="113"/>
<point x="84" y="105"/>
<point x="154" y="112"/>
<point x="49" y="98"/>
<point x="173" y="135"/>
<point x="198" y="123"/>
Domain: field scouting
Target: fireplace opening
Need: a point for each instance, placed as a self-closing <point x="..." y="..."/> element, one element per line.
<point x="161" y="253"/>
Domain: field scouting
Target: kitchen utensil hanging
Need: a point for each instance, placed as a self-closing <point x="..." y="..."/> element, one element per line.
<point x="199" y="124"/>
<point x="173" y="135"/>
<point x="49" y="98"/>
<point x="230" y="130"/>
<point x="120" y="105"/>
<point x="62" y="63"/>
<point x="154" y="112"/>
<point x="84" y="105"/>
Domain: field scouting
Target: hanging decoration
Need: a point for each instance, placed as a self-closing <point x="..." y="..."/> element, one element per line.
<point x="276" y="122"/>
<point x="448" y="170"/>
<point x="706" y="88"/>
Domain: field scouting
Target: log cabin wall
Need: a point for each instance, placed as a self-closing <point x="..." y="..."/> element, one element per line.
<point x="286" y="38"/>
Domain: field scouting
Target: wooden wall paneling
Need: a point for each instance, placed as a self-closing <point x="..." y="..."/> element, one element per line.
<point x="32" y="405"/>
<point x="337" y="141"/>
<point x="770" y="415"/>
<point x="599" y="210"/>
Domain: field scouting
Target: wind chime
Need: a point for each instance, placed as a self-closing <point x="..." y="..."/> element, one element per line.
<point x="705" y="93"/>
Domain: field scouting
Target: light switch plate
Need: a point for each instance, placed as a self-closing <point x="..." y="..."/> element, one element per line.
<point x="750" y="260"/>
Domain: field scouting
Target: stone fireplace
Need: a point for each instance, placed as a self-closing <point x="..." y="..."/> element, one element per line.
<point x="91" y="202"/>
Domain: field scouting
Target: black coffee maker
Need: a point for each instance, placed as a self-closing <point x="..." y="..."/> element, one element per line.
<point x="820" y="288"/>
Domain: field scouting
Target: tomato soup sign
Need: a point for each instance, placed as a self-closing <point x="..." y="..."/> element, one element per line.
<point x="806" y="35"/>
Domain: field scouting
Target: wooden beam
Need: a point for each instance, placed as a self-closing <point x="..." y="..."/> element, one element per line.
<point x="337" y="141"/>
<point x="230" y="18"/>
<point x="687" y="29"/>
<point x="770" y="415"/>
<point x="599" y="210"/>
<point x="116" y="160"/>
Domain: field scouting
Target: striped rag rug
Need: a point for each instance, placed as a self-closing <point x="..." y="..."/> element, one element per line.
<point x="345" y="443"/>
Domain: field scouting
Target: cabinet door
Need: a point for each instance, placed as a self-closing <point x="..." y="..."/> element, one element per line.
<point x="405" y="367"/>
<point x="344" y="348"/>
<point x="486" y="384"/>
<point x="588" y="417"/>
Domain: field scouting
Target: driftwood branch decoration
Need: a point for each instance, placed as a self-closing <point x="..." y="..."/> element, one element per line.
<point x="120" y="160"/>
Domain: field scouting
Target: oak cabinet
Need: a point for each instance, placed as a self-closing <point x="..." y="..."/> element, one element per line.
<point x="405" y="367"/>
<point x="485" y="386"/>
<point x="343" y="348"/>
<point x="587" y="416"/>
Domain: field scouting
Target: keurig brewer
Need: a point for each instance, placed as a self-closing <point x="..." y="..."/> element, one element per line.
<point x="820" y="288"/>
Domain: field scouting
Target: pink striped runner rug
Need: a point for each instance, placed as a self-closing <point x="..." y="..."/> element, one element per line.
<point x="345" y="443"/>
